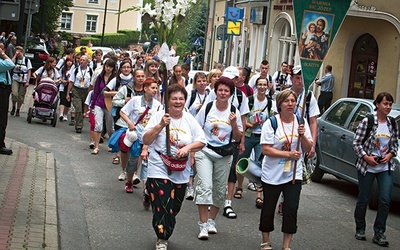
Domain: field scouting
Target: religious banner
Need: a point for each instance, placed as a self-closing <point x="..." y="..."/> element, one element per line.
<point x="317" y="23"/>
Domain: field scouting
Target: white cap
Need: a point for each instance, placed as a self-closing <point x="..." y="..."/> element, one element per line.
<point x="231" y="72"/>
<point x="130" y="138"/>
<point x="296" y="70"/>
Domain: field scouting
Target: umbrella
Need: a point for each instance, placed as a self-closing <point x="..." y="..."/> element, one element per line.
<point x="89" y="51"/>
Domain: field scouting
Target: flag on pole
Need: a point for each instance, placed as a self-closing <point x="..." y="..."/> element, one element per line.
<point x="317" y="23"/>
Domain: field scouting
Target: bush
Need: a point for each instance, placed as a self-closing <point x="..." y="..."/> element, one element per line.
<point x="121" y="39"/>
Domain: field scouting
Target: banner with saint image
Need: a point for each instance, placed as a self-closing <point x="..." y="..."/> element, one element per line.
<point x="317" y="23"/>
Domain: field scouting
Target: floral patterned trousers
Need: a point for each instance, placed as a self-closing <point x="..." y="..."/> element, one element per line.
<point x="166" y="202"/>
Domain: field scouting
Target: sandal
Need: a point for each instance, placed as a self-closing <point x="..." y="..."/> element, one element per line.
<point x="229" y="213"/>
<point x="259" y="202"/>
<point x="238" y="193"/>
<point x="116" y="160"/>
<point x="95" y="151"/>
<point x="266" y="246"/>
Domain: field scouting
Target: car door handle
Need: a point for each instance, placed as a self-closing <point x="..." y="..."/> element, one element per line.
<point x="322" y="129"/>
<point x="343" y="137"/>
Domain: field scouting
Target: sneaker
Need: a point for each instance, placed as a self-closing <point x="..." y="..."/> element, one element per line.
<point x="61" y="118"/>
<point x="12" y="112"/>
<point x="91" y="146"/>
<point x="65" y="118"/>
<point x="122" y="176"/>
<point x="161" y="244"/>
<point x="211" y="226"/>
<point x="128" y="187"/>
<point x="72" y="123"/>
<point x="146" y="200"/>
<point x="135" y="179"/>
<point x="203" y="235"/>
<point x="190" y="193"/>
<point x="360" y="235"/>
<point x="252" y="186"/>
<point x="380" y="239"/>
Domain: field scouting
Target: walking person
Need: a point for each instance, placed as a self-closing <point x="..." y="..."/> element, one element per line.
<point x="79" y="83"/>
<point x="20" y="79"/>
<point x="375" y="151"/>
<point x="327" y="82"/>
<point x="65" y="74"/>
<point x="278" y="141"/>
<point x="98" y="104"/>
<point x="5" y="90"/>
<point x="222" y="123"/>
<point x="167" y="187"/>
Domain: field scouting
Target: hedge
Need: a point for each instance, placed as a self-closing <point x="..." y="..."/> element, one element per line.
<point x="121" y="39"/>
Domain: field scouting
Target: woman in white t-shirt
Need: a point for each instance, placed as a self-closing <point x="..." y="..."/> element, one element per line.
<point x="221" y="123"/>
<point x="167" y="188"/>
<point x="198" y="95"/>
<point x="279" y="140"/>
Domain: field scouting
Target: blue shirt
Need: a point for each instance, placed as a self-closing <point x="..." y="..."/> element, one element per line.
<point x="5" y="66"/>
<point x="327" y="82"/>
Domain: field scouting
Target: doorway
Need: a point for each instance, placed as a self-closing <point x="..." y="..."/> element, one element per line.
<point x="363" y="68"/>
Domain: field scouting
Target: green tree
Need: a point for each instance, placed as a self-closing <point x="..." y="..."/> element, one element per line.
<point x="196" y="23"/>
<point x="47" y="19"/>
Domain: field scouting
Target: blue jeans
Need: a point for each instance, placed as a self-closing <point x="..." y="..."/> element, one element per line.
<point x="385" y="184"/>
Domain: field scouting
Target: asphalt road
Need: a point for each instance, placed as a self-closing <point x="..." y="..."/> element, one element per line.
<point x="95" y="212"/>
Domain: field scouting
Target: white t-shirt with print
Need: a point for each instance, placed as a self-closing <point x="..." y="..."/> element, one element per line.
<point x="272" y="167"/>
<point x="381" y="147"/>
<point x="197" y="103"/>
<point x="314" y="110"/>
<point x="134" y="109"/>
<point x="43" y="73"/>
<point x="217" y="127"/>
<point x="183" y="132"/>
<point x="244" y="107"/>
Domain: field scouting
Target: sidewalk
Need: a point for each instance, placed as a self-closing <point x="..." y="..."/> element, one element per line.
<point x="28" y="208"/>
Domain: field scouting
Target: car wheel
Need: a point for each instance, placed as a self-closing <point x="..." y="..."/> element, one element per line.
<point x="317" y="173"/>
<point x="373" y="201"/>
<point x="30" y="114"/>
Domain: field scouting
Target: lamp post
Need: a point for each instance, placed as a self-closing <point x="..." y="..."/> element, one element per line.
<point x="104" y="22"/>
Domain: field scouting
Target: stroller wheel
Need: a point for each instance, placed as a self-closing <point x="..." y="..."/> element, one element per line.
<point x="30" y="114"/>
<point x="54" y="120"/>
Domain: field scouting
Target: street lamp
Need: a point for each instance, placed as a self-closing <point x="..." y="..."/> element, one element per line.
<point x="104" y="22"/>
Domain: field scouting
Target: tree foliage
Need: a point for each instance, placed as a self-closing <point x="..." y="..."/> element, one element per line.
<point x="47" y="19"/>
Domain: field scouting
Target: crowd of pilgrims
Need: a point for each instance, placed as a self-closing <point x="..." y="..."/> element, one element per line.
<point x="119" y="96"/>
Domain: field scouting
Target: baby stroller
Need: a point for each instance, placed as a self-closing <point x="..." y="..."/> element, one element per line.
<point x="45" y="101"/>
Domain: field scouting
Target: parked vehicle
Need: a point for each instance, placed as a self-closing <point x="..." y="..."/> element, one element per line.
<point x="335" y="154"/>
<point x="37" y="52"/>
<point x="104" y="49"/>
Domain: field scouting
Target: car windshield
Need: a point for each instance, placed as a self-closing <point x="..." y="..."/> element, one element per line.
<point x="35" y="44"/>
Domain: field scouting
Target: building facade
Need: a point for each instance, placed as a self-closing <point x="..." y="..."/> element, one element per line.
<point x="365" y="55"/>
<point x="87" y="17"/>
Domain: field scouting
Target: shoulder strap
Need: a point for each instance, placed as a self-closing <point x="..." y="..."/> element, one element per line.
<point x="239" y="95"/>
<point x="192" y="97"/>
<point x="277" y="78"/>
<point x="270" y="78"/>
<point x="129" y="91"/>
<point x="308" y="101"/>
<point x="369" y="127"/>
<point x="248" y="91"/>
<point x="208" y="107"/>
<point x="274" y="123"/>
<point x="251" y="102"/>
<point x="76" y="72"/>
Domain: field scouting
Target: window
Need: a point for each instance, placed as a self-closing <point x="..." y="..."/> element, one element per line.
<point x="91" y="23"/>
<point x="287" y="45"/>
<point x="93" y="1"/>
<point x="340" y="113"/>
<point x="65" y="22"/>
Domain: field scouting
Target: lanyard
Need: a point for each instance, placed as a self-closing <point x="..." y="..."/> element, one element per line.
<point x="205" y="96"/>
<point x="83" y="75"/>
<point x="287" y="143"/>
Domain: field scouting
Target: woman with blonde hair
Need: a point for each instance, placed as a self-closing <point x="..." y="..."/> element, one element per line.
<point x="212" y="77"/>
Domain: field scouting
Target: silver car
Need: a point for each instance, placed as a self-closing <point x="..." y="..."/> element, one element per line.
<point x="335" y="154"/>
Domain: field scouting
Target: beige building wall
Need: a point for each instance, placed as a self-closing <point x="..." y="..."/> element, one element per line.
<point x="114" y="21"/>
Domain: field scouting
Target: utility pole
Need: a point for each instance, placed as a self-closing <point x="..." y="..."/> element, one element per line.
<point x="104" y="21"/>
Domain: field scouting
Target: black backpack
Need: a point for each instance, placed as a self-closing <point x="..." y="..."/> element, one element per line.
<point x="90" y="71"/>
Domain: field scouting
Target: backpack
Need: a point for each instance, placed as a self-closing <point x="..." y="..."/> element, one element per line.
<point x="26" y="64"/>
<point x="371" y="124"/>
<point x="269" y="104"/>
<point x="274" y="122"/>
<point x="193" y="97"/>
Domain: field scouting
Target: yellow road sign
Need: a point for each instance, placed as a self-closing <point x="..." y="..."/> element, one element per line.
<point x="234" y="28"/>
